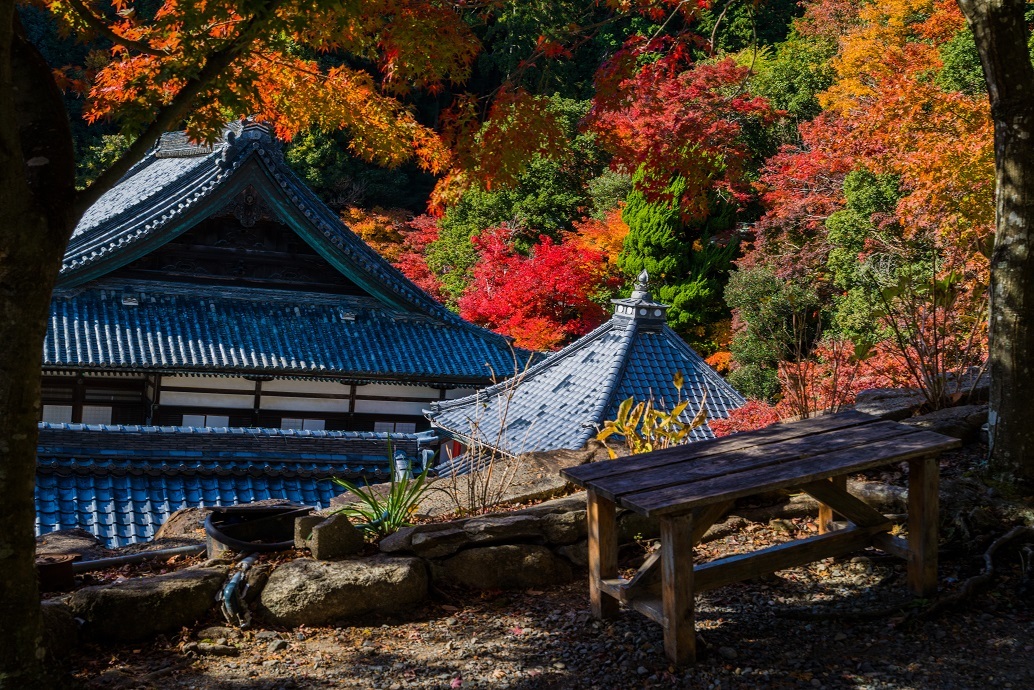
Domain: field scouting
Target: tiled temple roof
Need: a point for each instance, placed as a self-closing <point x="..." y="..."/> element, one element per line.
<point x="560" y="402"/>
<point x="122" y="482"/>
<point x="185" y="327"/>
<point x="147" y="326"/>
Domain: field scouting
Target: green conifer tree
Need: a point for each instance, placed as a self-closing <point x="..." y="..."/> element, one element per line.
<point x="688" y="267"/>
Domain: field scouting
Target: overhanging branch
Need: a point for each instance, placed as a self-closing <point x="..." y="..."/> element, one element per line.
<point x="101" y="27"/>
<point x="172" y="114"/>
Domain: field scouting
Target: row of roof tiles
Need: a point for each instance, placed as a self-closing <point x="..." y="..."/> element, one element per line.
<point x="188" y="328"/>
<point x="121" y="483"/>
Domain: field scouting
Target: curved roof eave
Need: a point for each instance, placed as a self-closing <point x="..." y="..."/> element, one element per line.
<point x="154" y="214"/>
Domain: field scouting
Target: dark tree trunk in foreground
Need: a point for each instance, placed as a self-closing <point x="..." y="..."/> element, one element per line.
<point x="39" y="208"/>
<point x="37" y="175"/>
<point x="1001" y="37"/>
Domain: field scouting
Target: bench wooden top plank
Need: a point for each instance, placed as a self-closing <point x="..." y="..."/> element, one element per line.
<point x="776" y="433"/>
<point x="692" y="494"/>
<point x="751" y="458"/>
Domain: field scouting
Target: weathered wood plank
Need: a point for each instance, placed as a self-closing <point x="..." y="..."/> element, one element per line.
<point x="704" y="517"/>
<point x="677" y="499"/>
<point x="648" y="574"/>
<point x="895" y="546"/>
<point x="836" y="498"/>
<point x="746" y="460"/>
<point x="923" y="517"/>
<point x="677" y="588"/>
<point x="651" y="607"/>
<point x="772" y="434"/>
<point x="647" y="578"/>
<point x="603" y="553"/>
<point x="755" y="564"/>
<point x="825" y="510"/>
<point x="617" y="587"/>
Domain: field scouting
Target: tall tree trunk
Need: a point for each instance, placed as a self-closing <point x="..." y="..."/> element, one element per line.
<point x="1001" y="37"/>
<point x="36" y="196"/>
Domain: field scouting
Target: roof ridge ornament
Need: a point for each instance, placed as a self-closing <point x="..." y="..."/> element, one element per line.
<point x="640" y="304"/>
<point x="641" y="290"/>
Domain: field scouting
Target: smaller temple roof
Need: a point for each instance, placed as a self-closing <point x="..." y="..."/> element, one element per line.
<point x="122" y="482"/>
<point x="560" y="402"/>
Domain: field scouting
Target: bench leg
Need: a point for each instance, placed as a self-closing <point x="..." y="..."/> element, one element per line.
<point x="603" y="553"/>
<point x="677" y="588"/>
<point x="923" y="517"/>
<point x="826" y="512"/>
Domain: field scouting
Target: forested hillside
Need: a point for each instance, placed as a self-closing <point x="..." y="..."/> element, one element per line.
<point x="810" y="186"/>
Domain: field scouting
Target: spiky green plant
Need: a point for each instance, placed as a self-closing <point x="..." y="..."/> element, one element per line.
<point x="383" y="515"/>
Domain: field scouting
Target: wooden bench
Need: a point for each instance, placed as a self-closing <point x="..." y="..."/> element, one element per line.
<point x="690" y="487"/>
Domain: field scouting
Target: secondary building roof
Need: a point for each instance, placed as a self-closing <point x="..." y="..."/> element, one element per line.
<point x="562" y="401"/>
<point x="122" y="482"/>
<point x="386" y="325"/>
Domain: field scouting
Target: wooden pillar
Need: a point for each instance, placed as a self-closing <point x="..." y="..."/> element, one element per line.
<point x="677" y="588"/>
<point x="825" y="512"/>
<point x="257" y="404"/>
<point x="351" y="406"/>
<point x="923" y="518"/>
<point x="78" y="398"/>
<point x="603" y="552"/>
<point x="156" y="403"/>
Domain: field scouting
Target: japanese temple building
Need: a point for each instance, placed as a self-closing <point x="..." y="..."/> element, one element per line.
<point x="563" y="400"/>
<point x="212" y="288"/>
<point x="217" y="335"/>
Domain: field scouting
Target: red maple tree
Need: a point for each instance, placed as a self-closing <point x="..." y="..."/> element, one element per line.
<point x="671" y="119"/>
<point x="542" y="300"/>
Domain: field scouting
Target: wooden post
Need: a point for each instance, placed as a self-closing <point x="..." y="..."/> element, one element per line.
<point x="603" y="553"/>
<point x="677" y="588"/>
<point x="825" y="512"/>
<point x="923" y="517"/>
<point x="257" y="404"/>
<point x="78" y="398"/>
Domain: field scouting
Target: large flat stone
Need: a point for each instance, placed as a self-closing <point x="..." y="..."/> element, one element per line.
<point x="439" y="543"/>
<point x="564" y="528"/>
<point x="144" y="607"/>
<point x="448" y="538"/>
<point x="502" y="528"/>
<point x="509" y="566"/>
<point x="402" y="540"/>
<point x="962" y="422"/>
<point x="60" y="631"/>
<point x="894" y="404"/>
<point x="310" y="592"/>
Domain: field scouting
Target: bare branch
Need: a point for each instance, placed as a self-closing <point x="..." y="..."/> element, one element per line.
<point x="172" y="114"/>
<point x="101" y="27"/>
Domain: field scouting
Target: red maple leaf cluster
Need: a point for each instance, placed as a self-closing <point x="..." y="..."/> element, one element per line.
<point x="543" y="299"/>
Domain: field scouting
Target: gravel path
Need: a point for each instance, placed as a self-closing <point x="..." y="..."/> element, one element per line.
<point x="832" y="624"/>
<point x="534" y="639"/>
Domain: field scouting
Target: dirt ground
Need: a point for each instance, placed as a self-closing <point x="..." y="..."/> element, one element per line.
<point x="844" y="623"/>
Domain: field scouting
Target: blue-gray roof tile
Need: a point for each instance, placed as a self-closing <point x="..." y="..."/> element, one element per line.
<point x="121" y="483"/>
<point x="202" y="327"/>
<point x="186" y="328"/>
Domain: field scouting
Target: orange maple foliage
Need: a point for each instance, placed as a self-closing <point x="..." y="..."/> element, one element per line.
<point x="604" y="236"/>
<point x="244" y="57"/>
<point x="720" y="361"/>
<point x="314" y="64"/>
<point x="940" y="143"/>
<point x="380" y="228"/>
